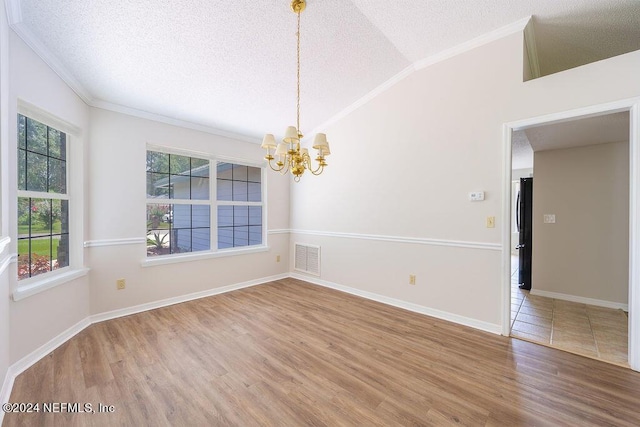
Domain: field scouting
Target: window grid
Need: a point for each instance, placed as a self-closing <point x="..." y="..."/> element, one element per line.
<point x="43" y="210"/>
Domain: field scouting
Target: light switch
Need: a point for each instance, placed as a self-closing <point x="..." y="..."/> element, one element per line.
<point x="549" y="218"/>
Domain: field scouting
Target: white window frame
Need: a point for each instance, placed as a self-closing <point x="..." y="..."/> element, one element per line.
<point x="41" y="282"/>
<point x="213" y="204"/>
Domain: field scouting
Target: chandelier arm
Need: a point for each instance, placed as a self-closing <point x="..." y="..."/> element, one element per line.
<point x="275" y="169"/>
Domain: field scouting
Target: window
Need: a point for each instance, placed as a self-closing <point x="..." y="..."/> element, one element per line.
<point x="182" y="210"/>
<point x="239" y="205"/>
<point x="43" y="201"/>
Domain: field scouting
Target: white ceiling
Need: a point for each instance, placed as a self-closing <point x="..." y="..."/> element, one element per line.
<point x="231" y="66"/>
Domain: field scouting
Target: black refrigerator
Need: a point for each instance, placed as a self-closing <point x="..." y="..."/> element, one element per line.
<point x="524" y="222"/>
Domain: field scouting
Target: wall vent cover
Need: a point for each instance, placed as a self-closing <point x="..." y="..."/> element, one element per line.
<point x="307" y="258"/>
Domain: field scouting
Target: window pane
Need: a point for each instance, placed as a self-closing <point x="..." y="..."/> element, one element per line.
<point x="255" y="235"/>
<point x="181" y="241"/>
<point x="22" y="170"/>
<point x="41" y="218"/>
<point x="158" y="216"/>
<point x="64" y="216"/>
<point x="57" y="144"/>
<point x="36" y="172"/>
<point x="36" y="136"/>
<point x="255" y="215"/>
<point x="181" y="216"/>
<point x="22" y="134"/>
<point x="200" y="216"/>
<point x="24" y="218"/>
<point x="180" y="188"/>
<point x="225" y="216"/>
<point x="57" y="176"/>
<point x="255" y="174"/>
<point x="225" y="190"/>
<point x="179" y="165"/>
<point x="239" y="191"/>
<point x="240" y="215"/>
<point x="40" y="255"/>
<point x="240" y="173"/>
<point x="157" y="185"/>
<point x="240" y="236"/>
<point x="201" y="239"/>
<point x="224" y="171"/>
<point x="158" y="242"/>
<point x="157" y="162"/>
<point x="199" y="188"/>
<point x="200" y="167"/>
<point x="61" y="251"/>
<point x="254" y="192"/>
<point x="225" y="238"/>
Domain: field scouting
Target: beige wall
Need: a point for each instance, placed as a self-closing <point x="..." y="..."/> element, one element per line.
<point x="586" y="252"/>
<point x="403" y="163"/>
<point x="34" y="321"/>
<point x="118" y="203"/>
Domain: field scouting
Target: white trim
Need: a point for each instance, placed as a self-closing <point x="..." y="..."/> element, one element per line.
<point x="5" y="391"/>
<point x="114" y="242"/>
<point x="5" y="263"/>
<point x="634" y="237"/>
<point x="399" y="239"/>
<point x="506" y="231"/>
<point x="532" y="50"/>
<point x="43" y="116"/>
<point x="443" y="315"/>
<point x="196" y="256"/>
<point x="4" y="241"/>
<point x="279" y="231"/>
<point x="484" y="39"/>
<point x="182" y="298"/>
<point x="51" y="280"/>
<point x="581" y="300"/>
<point x="633" y="106"/>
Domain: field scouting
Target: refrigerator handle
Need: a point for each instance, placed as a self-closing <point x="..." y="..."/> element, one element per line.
<point x="518" y="212"/>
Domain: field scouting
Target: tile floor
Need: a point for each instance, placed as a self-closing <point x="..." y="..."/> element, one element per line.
<point x="591" y="331"/>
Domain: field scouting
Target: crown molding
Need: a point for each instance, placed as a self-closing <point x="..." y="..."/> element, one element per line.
<point x="532" y="50"/>
<point x="515" y="27"/>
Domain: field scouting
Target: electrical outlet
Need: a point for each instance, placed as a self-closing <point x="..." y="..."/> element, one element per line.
<point x="277" y="258"/>
<point x="120" y="284"/>
<point x="412" y="279"/>
<point x="491" y="222"/>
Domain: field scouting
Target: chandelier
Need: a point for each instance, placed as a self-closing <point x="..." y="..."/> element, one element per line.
<point x="290" y="156"/>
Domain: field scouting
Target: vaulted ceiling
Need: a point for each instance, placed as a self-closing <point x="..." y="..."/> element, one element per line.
<point x="230" y="67"/>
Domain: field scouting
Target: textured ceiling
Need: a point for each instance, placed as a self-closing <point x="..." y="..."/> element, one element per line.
<point x="231" y="66"/>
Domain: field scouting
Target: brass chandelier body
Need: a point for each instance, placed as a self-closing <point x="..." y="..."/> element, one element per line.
<point x="291" y="157"/>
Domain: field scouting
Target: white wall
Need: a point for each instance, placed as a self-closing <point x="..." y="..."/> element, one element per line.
<point x="586" y="252"/>
<point x="117" y="204"/>
<point x="37" y="319"/>
<point x="403" y="163"/>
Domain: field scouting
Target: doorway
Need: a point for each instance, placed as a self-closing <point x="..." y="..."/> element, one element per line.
<point x="631" y="109"/>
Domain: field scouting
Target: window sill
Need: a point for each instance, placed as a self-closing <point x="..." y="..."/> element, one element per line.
<point x="42" y="284"/>
<point x="172" y="259"/>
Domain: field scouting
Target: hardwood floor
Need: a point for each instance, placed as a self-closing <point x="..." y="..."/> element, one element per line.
<point x="291" y="354"/>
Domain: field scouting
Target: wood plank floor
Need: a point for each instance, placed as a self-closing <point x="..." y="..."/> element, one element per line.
<point x="292" y="354"/>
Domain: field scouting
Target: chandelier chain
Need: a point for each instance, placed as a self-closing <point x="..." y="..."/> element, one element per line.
<point x="298" y="87"/>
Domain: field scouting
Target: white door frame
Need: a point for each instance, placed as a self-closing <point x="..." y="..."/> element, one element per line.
<point x="633" y="107"/>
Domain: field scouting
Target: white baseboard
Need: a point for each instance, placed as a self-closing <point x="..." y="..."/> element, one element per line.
<point x="182" y="298"/>
<point x="443" y="315"/>
<point x="582" y="300"/>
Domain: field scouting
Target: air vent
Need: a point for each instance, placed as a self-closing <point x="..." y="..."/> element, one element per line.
<point x="307" y="258"/>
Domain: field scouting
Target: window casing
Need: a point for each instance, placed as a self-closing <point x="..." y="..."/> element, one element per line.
<point x="43" y="200"/>
<point x="187" y="213"/>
